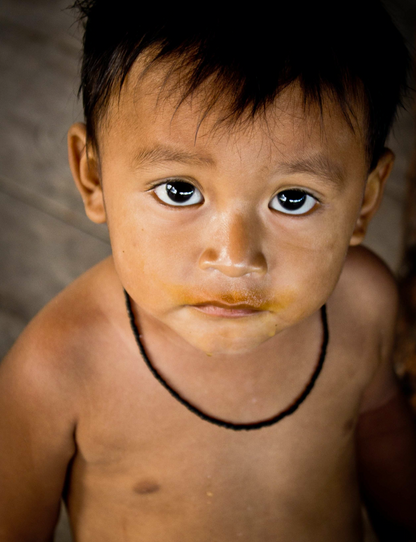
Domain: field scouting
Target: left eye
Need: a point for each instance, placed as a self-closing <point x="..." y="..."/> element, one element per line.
<point x="293" y="202"/>
<point x="178" y="193"/>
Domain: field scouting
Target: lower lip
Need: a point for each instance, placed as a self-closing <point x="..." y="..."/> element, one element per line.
<point x="213" y="310"/>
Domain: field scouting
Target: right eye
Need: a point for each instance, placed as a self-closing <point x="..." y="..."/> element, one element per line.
<point x="178" y="193"/>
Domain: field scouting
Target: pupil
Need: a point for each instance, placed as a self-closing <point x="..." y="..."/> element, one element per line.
<point x="292" y="200"/>
<point x="179" y="191"/>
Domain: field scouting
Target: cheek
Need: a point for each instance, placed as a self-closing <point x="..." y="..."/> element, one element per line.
<point x="150" y="259"/>
<point x="308" y="264"/>
<point x="316" y="246"/>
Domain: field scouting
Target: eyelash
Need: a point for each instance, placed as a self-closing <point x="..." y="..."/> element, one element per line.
<point x="297" y="195"/>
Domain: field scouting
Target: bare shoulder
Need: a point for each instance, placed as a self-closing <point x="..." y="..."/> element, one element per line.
<point x="370" y="276"/>
<point x="53" y="350"/>
<point x="367" y="290"/>
<point x="371" y="289"/>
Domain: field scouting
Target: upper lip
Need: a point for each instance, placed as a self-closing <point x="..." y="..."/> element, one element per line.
<point x="236" y="306"/>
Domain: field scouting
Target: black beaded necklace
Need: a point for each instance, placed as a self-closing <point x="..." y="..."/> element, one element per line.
<point x="228" y="425"/>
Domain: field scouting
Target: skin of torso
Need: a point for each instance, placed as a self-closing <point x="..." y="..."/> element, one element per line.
<point x="148" y="469"/>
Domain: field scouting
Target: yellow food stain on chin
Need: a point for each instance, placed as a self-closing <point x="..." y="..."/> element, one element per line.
<point x="209" y="494"/>
<point x="209" y="354"/>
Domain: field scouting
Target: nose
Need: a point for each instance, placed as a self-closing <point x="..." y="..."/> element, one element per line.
<point x="233" y="247"/>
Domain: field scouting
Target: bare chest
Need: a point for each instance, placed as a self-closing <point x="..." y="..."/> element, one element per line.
<point x="148" y="469"/>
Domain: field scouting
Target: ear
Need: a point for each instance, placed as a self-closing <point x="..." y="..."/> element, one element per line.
<point x="373" y="194"/>
<point x="86" y="172"/>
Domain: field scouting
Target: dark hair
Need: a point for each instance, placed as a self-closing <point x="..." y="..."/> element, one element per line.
<point x="350" y="51"/>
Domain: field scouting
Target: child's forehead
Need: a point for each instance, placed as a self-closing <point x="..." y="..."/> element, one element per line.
<point x="151" y="103"/>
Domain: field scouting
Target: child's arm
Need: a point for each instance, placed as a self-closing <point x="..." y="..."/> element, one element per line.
<point x="387" y="469"/>
<point x="36" y="437"/>
<point x="386" y="432"/>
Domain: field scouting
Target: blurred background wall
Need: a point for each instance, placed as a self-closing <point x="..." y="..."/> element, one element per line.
<point x="45" y="239"/>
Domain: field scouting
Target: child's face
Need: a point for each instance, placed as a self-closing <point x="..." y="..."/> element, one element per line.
<point x="232" y="240"/>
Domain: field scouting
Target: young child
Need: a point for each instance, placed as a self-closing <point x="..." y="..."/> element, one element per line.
<point x="225" y="375"/>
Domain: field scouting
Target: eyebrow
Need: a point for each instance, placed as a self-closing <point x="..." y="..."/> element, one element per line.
<point x="319" y="166"/>
<point x="164" y="154"/>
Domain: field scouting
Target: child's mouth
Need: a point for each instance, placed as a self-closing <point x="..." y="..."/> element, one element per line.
<point x="213" y="308"/>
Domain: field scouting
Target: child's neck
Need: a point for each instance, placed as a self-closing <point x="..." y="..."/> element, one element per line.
<point x="250" y="380"/>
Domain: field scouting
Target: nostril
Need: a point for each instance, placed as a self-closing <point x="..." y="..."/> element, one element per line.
<point x="208" y="259"/>
<point x="232" y="267"/>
